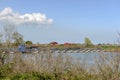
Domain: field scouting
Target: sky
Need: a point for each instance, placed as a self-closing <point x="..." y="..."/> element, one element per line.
<point x="63" y="21"/>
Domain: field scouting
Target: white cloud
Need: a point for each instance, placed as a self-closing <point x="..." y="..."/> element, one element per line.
<point x="7" y="15"/>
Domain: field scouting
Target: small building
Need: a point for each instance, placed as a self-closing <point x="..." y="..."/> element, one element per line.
<point x="54" y="43"/>
<point x="67" y="44"/>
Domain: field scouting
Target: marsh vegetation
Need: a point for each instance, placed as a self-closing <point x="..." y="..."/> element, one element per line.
<point x="49" y="66"/>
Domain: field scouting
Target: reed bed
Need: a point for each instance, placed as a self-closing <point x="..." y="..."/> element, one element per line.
<point x="50" y="66"/>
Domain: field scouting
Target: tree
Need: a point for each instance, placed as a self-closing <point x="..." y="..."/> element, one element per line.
<point x="88" y="42"/>
<point x="28" y="42"/>
<point x="1" y="35"/>
<point x="11" y="35"/>
<point x="18" y="38"/>
<point x="118" y="39"/>
<point x="9" y="29"/>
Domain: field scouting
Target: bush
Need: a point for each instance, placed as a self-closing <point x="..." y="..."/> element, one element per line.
<point x="5" y="71"/>
<point x="33" y="76"/>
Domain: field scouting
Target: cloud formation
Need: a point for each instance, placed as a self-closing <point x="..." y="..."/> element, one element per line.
<point x="7" y="15"/>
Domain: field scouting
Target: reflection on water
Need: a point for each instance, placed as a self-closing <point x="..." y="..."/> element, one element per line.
<point x="90" y="57"/>
<point x="83" y="57"/>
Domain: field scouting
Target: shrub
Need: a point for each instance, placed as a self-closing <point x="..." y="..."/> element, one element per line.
<point x="33" y="76"/>
<point x="5" y="71"/>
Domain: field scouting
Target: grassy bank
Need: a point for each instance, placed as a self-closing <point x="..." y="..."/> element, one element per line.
<point x="59" y="67"/>
<point x="111" y="48"/>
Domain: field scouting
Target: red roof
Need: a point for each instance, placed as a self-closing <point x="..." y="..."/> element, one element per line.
<point x="67" y="44"/>
<point x="54" y="43"/>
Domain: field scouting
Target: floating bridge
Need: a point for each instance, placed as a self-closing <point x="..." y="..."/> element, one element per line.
<point x="84" y="50"/>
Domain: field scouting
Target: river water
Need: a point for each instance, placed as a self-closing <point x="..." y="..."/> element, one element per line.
<point x="89" y="58"/>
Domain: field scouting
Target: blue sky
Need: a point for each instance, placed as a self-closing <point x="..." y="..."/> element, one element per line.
<point x="68" y="20"/>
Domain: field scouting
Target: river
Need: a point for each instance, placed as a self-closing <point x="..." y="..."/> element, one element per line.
<point x="88" y="57"/>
